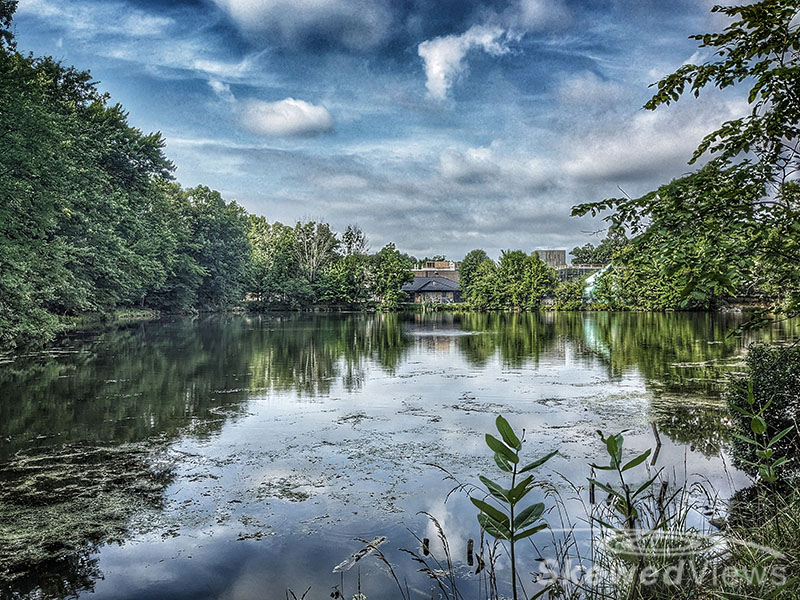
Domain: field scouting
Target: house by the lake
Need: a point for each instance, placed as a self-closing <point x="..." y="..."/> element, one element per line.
<point x="434" y="281"/>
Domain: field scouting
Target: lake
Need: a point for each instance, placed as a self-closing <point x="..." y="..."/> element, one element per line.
<point x="233" y="456"/>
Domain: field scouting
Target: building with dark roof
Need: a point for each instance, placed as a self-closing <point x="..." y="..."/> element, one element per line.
<point x="446" y="269"/>
<point x="433" y="289"/>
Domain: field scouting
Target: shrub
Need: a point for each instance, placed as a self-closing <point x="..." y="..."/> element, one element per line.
<point x="569" y="295"/>
<point x="775" y="375"/>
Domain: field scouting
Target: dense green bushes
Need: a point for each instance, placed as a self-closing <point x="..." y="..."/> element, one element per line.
<point x="775" y="375"/>
<point x="518" y="281"/>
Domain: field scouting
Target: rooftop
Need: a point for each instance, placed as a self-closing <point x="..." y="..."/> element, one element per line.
<point x="431" y="284"/>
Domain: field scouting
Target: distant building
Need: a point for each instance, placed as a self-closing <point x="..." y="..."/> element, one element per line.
<point x="434" y="281"/>
<point x="572" y="272"/>
<point x="446" y="269"/>
<point x="433" y="289"/>
<point x="553" y="258"/>
<point x="557" y="259"/>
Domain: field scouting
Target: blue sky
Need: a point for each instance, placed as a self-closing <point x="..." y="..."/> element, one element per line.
<point x="440" y="125"/>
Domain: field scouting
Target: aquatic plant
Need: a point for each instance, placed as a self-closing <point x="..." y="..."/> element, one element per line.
<point x="508" y="523"/>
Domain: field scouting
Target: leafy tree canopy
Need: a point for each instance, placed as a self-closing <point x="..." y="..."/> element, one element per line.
<point x="734" y="222"/>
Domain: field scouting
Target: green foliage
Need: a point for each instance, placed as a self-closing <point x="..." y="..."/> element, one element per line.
<point x="538" y="281"/>
<point x="80" y="200"/>
<point x="7" y="9"/>
<point x="392" y="270"/>
<point x="624" y="497"/>
<point x="588" y="254"/>
<point x="275" y="278"/>
<point x="767" y="462"/>
<point x="219" y="247"/>
<point x="696" y="240"/>
<point x="569" y="295"/>
<point x="467" y="270"/>
<point x="767" y="399"/>
<point x="508" y="522"/>
<point x="519" y="282"/>
<point x="483" y="291"/>
<point x="734" y="224"/>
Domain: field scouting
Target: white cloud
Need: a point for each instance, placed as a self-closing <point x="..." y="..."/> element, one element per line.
<point x="343" y="182"/>
<point x="645" y="145"/>
<point x="223" y="90"/>
<point x="91" y="20"/>
<point x="358" y="25"/>
<point x="474" y="165"/>
<point x="287" y="117"/>
<point x="586" y="93"/>
<point x="536" y="14"/>
<point x="444" y="56"/>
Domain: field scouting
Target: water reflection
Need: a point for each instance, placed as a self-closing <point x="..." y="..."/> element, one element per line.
<point x="129" y="392"/>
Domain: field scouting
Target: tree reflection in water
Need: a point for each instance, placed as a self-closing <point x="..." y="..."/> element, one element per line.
<point x="82" y="423"/>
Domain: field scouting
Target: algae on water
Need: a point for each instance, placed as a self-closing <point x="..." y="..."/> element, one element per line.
<point x="58" y="504"/>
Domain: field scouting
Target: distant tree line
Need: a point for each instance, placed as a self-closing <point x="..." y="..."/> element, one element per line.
<point x="518" y="281"/>
<point x="309" y="265"/>
<point x="91" y="219"/>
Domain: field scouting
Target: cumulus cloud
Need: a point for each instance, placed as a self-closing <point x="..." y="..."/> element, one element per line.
<point x="356" y="25"/>
<point x="287" y="117"/>
<point x="444" y="56"/>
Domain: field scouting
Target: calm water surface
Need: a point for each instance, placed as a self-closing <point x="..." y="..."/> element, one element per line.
<point x="234" y="457"/>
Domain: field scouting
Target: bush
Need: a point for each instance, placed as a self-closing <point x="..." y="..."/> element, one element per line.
<point x="775" y="373"/>
<point x="569" y="295"/>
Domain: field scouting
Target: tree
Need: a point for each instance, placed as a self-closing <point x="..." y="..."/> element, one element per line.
<point x="392" y="270"/>
<point x="354" y="242"/>
<point x="747" y="198"/>
<point x="588" y="254"/>
<point x="220" y="247"/>
<point x="510" y="275"/>
<point x="467" y="269"/>
<point x="275" y="277"/>
<point x="569" y="295"/>
<point x="315" y="248"/>
<point x="484" y="293"/>
<point x="538" y="281"/>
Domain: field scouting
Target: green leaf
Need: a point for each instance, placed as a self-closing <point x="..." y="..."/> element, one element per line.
<point x="636" y="461"/>
<point x="502" y="463"/>
<point x="758" y="425"/>
<point x="494" y="528"/>
<point x="519" y="491"/>
<point x="780" y="436"/>
<point x="494" y="489"/>
<point x="501" y="449"/>
<point x="492" y="511"/>
<point x="530" y="532"/>
<point x="606" y="488"/>
<point x="746" y="439"/>
<point x="603" y="468"/>
<point x="538" y="463"/>
<point x="508" y="435"/>
<point x="529" y="515"/>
